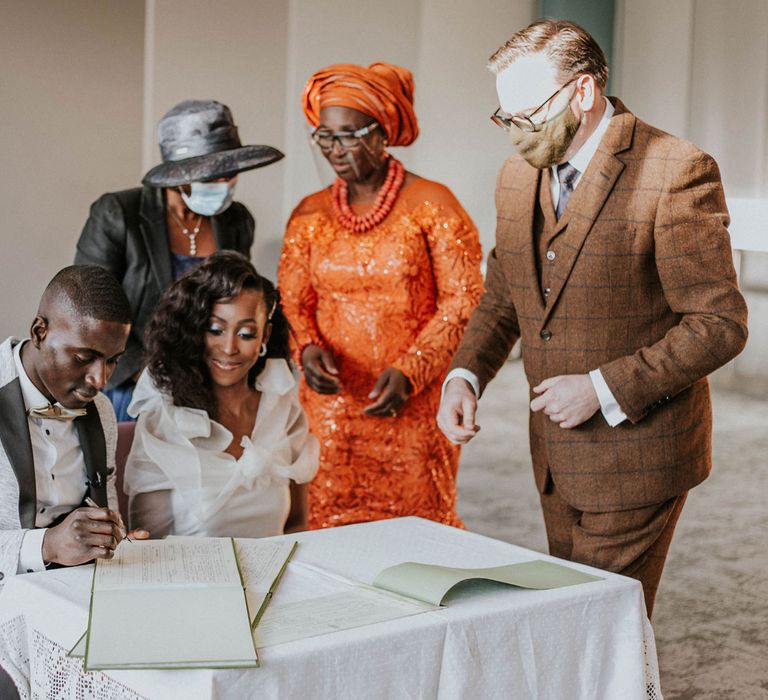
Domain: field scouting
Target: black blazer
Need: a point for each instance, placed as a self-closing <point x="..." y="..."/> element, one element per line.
<point x="126" y="233"/>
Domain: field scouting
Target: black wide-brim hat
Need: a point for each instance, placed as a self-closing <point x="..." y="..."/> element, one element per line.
<point x="199" y="142"/>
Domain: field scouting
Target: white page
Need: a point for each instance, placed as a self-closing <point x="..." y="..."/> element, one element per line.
<point x="169" y="603"/>
<point x="261" y="562"/>
<point x="160" y="628"/>
<point x="200" y="561"/>
<point x="356" y="607"/>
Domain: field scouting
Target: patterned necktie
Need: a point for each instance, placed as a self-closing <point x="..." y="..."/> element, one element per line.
<point x="566" y="176"/>
<point x="56" y="412"/>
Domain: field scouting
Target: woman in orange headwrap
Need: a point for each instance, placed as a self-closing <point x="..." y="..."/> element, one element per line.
<point x="379" y="275"/>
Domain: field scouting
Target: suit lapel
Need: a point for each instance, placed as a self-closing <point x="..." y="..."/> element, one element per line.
<point x="524" y="181"/>
<point x="155" y="234"/>
<point x="588" y="198"/>
<point x="14" y="435"/>
<point x="94" y="448"/>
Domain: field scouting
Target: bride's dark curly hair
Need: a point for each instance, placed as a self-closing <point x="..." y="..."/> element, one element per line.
<point x="174" y="341"/>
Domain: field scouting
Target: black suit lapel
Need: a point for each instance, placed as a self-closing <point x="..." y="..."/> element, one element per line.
<point x="94" y="453"/>
<point x="155" y="234"/>
<point x="14" y="435"/>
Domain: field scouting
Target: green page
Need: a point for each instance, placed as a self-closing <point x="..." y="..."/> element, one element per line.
<point x="169" y="604"/>
<point x="430" y="583"/>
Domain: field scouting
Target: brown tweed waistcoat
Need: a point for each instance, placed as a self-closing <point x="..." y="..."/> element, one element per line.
<point x="641" y="285"/>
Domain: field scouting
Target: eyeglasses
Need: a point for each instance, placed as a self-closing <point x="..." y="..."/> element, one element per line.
<point x="346" y="139"/>
<point x="525" y="122"/>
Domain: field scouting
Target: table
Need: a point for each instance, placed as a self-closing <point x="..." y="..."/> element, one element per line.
<point x="589" y="641"/>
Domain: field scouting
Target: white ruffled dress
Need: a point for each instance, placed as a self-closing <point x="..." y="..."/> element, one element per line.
<point x="212" y="493"/>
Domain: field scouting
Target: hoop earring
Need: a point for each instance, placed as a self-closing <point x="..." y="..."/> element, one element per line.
<point x="263" y="350"/>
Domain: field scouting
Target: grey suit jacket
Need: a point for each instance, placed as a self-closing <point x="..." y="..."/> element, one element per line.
<point x="18" y="501"/>
<point x="126" y="233"/>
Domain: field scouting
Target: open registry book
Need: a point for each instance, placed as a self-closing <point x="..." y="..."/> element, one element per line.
<point x="180" y="603"/>
<point x="337" y="603"/>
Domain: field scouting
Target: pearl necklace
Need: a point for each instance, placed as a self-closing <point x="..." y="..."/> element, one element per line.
<point x="191" y="235"/>
<point x="385" y="200"/>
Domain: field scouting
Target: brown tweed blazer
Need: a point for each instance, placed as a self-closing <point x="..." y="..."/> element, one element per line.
<point x="642" y="287"/>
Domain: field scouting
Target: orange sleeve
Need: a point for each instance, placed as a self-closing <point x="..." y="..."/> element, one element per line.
<point x="454" y="249"/>
<point x="297" y="295"/>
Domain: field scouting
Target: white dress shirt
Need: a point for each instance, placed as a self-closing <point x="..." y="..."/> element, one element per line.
<point x="609" y="407"/>
<point x="213" y="494"/>
<point x="60" y="473"/>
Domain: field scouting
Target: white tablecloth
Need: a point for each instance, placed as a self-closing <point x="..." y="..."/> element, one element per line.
<point x="590" y="641"/>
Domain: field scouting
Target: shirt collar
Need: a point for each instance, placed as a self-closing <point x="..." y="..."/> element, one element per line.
<point x="583" y="156"/>
<point x="33" y="397"/>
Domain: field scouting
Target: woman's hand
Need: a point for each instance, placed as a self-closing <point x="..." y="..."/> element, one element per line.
<point x="392" y="389"/>
<point x="320" y="370"/>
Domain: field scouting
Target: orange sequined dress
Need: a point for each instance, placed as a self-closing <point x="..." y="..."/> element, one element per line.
<point x="399" y="296"/>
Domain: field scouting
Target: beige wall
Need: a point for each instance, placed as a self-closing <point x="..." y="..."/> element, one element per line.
<point x="446" y="44"/>
<point x="322" y="32"/>
<point x="71" y="111"/>
<point x="88" y="81"/>
<point x="699" y="69"/>
<point x="85" y="81"/>
<point x="256" y="55"/>
<point x="459" y="145"/>
<point x="652" y="63"/>
<point x="234" y="52"/>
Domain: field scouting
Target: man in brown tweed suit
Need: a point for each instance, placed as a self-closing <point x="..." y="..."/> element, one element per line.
<point x="613" y="264"/>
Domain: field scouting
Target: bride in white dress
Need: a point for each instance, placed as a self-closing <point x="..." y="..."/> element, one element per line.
<point x="221" y="446"/>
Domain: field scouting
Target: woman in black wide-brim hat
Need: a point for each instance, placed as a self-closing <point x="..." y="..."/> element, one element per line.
<point x="149" y="236"/>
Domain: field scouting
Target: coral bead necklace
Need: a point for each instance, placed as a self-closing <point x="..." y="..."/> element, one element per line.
<point x="385" y="200"/>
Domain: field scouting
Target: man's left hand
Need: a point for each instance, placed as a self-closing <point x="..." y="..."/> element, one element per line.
<point x="568" y="400"/>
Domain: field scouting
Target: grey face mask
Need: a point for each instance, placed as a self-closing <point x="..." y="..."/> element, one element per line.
<point x="546" y="147"/>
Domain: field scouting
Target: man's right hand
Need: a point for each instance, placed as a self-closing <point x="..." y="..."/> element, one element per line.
<point x="320" y="370"/>
<point x="456" y="417"/>
<point x="85" y="534"/>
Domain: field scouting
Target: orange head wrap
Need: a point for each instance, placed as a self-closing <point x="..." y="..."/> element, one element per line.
<point x="382" y="91"/>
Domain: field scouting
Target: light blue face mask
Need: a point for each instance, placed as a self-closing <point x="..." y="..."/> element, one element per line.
<point x="210" y="198"/>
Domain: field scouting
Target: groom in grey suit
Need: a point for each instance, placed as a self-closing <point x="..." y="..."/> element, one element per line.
<point x="57" y="432"/>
